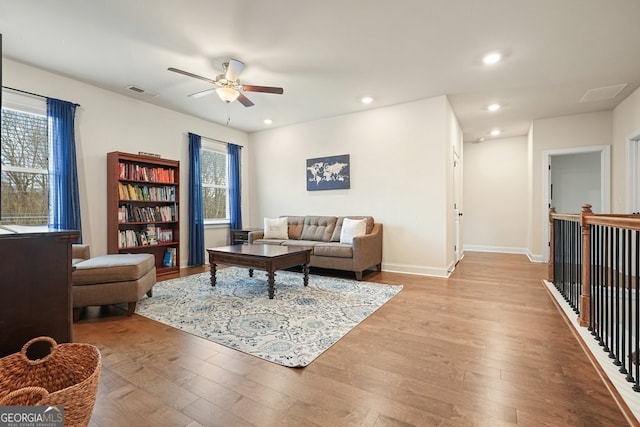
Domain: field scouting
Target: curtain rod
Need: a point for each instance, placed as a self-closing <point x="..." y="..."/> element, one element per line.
<point x="217" y="140"/>
<point x="33" y="94"/>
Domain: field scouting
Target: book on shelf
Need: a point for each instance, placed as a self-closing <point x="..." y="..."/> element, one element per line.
<point x="167" y="261"/>
<point x="152" y="237"/>
<point x="174" y="256"/>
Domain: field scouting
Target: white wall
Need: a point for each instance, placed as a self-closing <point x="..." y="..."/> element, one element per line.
<point x="580" y="130"/>
<point x="496" y="195"/>
<point x="106" y="122"/>
<point x="400" y="170"/>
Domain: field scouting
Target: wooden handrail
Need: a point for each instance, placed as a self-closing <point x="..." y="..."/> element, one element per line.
<point x="587" y="218"/>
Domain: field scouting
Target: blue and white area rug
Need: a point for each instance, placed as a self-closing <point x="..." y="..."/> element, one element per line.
<point x="292" y="329"/>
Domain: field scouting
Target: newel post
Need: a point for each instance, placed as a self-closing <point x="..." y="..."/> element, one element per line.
<point x="585" y="296"/>
<point x="551" y="240"/>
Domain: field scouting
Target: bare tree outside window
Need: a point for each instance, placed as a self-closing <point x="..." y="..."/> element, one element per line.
<point x="215" y="188"/>
<point x="25" y="162"/>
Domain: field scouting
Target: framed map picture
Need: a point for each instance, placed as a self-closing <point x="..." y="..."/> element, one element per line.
<point x="328" y="173"/>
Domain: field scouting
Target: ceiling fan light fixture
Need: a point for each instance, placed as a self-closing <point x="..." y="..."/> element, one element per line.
<point x="227" y="94"/>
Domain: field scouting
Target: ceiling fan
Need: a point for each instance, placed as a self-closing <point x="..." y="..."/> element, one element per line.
<point x="228" y="86"/>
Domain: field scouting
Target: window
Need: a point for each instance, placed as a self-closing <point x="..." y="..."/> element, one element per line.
<point x="24" y="160"/>
<point x="215" y="182"/>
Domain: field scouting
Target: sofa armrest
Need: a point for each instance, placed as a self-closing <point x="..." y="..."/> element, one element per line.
<point x="255" y="235"/>
<point x="367" y="249"/>
<point x="80" y="251"/>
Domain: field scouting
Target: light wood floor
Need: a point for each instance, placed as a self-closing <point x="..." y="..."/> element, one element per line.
<point x="486" y="347"/>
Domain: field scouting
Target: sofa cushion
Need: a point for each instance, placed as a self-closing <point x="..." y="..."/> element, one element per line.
<point x="296" y="224"/>
<point x="301" y="244"/>
<point x="113" y="268"/>
<point x="352" y="228"/>
<point x="338" y="230"/>
<point x="336" y="250"/>
<point x="269" y="241"/>
<point x="276" y="228"/>
<point x="318" y="228"/>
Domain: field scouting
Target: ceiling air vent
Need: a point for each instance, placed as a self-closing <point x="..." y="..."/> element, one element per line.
<point x="143" y="92"/>
<point x="602" y="93"/>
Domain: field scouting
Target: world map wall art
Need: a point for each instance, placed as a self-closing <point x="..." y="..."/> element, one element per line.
<point x="328" y="173"/>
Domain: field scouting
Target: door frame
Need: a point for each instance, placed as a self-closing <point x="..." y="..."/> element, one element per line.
<point x="605" y="185"/>
<point x="633" y="171"/>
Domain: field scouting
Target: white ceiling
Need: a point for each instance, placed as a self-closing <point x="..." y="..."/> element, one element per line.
<point x="328" y="54"/>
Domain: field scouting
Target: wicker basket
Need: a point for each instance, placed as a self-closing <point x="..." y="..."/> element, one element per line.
<point x="68" y="376"/>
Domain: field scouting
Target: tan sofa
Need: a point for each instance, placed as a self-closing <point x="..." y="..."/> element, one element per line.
<point x="322" y="233"/>
<point x="110" y="279"/>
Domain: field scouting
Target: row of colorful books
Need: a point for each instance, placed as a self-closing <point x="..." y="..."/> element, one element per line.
<point x="136" y="172"/>
<point x="131" y="213"/>
<point x="150" y="235"/>
<point x="146" y="193"/>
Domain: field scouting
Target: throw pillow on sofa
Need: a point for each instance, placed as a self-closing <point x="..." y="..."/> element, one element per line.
<point x="352" y="228"/>
<point x="276" y="228"/>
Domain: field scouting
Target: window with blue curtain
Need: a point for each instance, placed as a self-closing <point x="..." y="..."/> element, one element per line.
<point x="196" y="212"/>
<point x="214" y="190"/>
<point x="235" y="209"/>
<point x="64" y="200"/>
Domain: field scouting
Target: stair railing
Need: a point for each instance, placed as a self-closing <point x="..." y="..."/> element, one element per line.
<point x="594" y="262"/>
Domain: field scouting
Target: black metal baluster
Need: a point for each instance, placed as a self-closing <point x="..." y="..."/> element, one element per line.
<point x="626" y="270"/>
<point x="570" y="247"/>
<point x="619" y="270"/>
<point x="636" y="386"/>
<point x="633" y="269"/>
<point x="579" y="267"/>
<point x="609" y="294"/>
<point x="603" y="275"/>
<point x="593" y="256"/>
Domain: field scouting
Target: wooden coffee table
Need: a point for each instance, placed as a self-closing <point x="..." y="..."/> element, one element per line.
<point x="263" y="257"/>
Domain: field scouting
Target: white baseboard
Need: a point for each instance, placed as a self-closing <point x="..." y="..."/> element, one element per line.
<point x="415" y="269"/>
<point x="535" y="258"/>
<point x="500" y="249"/>
<point x="504" y="250"/>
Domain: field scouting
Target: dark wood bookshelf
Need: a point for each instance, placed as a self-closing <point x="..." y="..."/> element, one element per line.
<point x="144" y="185"/>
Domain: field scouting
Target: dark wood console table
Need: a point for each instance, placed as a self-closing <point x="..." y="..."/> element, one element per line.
<point x="35" y="285"/>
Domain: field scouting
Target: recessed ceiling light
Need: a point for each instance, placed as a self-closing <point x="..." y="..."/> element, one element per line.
<point x="480" y="139"/>
<point x="268" y="121"/>
<point x="495" y="132"/>
<point x="491" y="58"/>
<point x="366" y="100"/>
<point x="493" y="107"/>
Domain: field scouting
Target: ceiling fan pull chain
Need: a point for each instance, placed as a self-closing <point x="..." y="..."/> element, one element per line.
<point x="228" y="115"/>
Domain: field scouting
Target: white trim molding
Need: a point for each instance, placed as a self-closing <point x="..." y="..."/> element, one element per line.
<point x="605" y="185"/>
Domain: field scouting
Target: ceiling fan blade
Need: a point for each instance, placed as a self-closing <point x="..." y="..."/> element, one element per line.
<point x="233" y="70"/>
<point x="245" y="101"/>
<point x="202" y="93"/>
<point x="266" y="89"/>
<point x="195" y="76"/>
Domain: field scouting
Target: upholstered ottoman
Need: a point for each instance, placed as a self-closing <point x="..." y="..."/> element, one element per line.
<point x="112" y="279"/>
